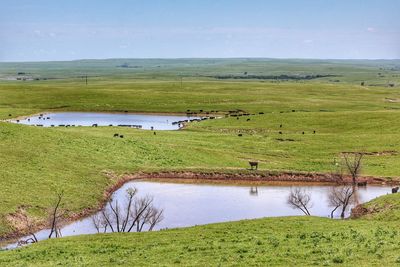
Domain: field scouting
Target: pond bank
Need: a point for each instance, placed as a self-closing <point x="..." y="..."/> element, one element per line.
<point x="255" y="177"/>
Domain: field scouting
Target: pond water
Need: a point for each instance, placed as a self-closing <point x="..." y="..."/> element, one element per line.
<point x="197" y="204"/>
<point x="142" y="121"/>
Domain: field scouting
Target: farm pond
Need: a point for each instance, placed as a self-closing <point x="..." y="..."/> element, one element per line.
<point x="184" y="204"/>
<point x="141" y="121"/>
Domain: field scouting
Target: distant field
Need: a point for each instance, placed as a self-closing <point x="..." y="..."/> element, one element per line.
<point x="372" y="72"/>
<point x="345" y="115"/>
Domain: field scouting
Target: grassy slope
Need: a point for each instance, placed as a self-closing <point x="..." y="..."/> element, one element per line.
<point x="385" y="208"/>
<point x="34" y="161"/>
<point x="291" y="241"/>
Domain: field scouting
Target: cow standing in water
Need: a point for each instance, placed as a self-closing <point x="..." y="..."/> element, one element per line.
<point x="253" y="164"/>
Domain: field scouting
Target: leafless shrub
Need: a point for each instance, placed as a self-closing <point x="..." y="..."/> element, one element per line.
<point x="341" y="196"/>
<point x="56" y="215"/>
<point x="300" y="199"/>
<point x="156" y="217"/>
<point x="29" y="225"/>
<point x="99" y="223"/>
<point x="133" y="215"/>
<point x="353" y="164"/>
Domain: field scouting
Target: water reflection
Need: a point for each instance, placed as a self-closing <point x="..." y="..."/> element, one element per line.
<point x="253" y="191"/>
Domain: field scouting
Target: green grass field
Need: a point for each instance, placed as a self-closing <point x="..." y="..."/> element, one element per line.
<point x="345" y="115"/>
<point x="290" y="241"/>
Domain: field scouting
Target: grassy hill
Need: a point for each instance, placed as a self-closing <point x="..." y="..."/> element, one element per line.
<point x="345" y="115"/>
<point x="287" y="241"/>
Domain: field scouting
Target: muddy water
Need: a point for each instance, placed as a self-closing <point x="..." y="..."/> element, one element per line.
<point x="197" y="204"/>
<point x="142" y="121"/>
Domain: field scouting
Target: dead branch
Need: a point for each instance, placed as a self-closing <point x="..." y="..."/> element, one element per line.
<point x="341" y="196"/>
<point x="353" y="165"/>
<point x="300" y="199"/>
<point x="55" y="215"/>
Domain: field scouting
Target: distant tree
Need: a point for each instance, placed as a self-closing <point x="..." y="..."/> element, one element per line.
<point x="300" y="199"/>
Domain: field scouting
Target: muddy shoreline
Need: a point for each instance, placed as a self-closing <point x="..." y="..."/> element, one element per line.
<point x="238" y="178"/>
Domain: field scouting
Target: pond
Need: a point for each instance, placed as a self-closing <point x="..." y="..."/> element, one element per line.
<point x="142" y="121"/>
<point x="197" y="204"/>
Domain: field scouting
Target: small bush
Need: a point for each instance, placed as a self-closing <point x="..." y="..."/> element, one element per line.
<point x="337" y="260"/>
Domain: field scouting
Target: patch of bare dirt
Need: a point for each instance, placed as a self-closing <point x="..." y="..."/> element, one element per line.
<point x="374" y="153"/>
<point x="359" y="211"/>
<point x="260" y="176"/>
<point x="392" y="100"/>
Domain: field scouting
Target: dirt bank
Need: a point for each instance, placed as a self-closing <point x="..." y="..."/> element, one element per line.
<point x="254" y="176"/>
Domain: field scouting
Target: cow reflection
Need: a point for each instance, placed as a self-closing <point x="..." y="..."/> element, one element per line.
<point x="253" y="191"/>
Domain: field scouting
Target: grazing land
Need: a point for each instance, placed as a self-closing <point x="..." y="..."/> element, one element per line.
<point x="353" y="106"/>
<point x="300" y="241"/>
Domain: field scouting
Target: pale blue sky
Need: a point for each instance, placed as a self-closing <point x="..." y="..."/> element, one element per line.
<point x="40" y="30"/>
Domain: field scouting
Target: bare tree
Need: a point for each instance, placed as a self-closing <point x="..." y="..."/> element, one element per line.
<point x="156" y="217"/>
<point x="142" y="212"/>
<point x="29" y="222"/>
<point x="99" y="223"/>
<point x="133" y="215"/>
<point x="341" y="196"/>
<point x="353" y="164"/>
<point x="56" y="215"/>
<point x="300" y="199"/>
<point x="29" y="225"/>
<point x="131" y="192"/>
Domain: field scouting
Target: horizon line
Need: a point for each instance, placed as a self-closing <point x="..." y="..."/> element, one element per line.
<point x="201" y="58"/>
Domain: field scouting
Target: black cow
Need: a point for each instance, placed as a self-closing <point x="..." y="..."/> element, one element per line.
<point x="253" y="164"/>
<point x="362" y="183"/>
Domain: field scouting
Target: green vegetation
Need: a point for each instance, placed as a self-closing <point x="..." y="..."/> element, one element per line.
<point x="385" y="208"/>
<point x="346" y="116"/>
<point x="290" y="241"/>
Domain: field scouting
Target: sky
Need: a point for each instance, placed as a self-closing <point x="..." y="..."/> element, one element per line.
<point x="47" y="30"/>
